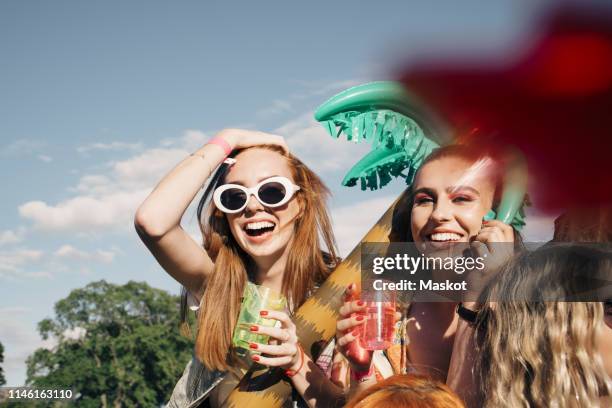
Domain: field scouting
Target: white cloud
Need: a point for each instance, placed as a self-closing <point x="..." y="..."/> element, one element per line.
<point x="108" y="200"/>
<point x="193" y="140"/>
<point x="12" y="261"/>
<point x="352" y="222"/>
<point x="84" y="213"/>
<point x="313" y="145"/>
<point x="109" y="146"/>
<point x="146" y="169"/>
<point x="96" y="184"/>
<point x="17" y="263"/>
<point x="11" y="237"/>
<point x="68" y="252"/>
<point x="45" y="158"/>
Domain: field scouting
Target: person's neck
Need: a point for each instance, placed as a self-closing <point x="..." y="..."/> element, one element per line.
<point x="270" y="271"/>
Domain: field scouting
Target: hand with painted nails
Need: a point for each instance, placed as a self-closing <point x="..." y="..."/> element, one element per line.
<point x="495" y="245"/>
<point x="283" y="350"/>
<point x="347" y="329"/>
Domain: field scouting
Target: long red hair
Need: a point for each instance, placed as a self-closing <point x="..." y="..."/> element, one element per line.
<point x="409" y="391"/>
<point x="307" y="264"/>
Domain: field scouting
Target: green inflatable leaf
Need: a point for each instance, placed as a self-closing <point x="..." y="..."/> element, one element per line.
<point x="386" y="116"/>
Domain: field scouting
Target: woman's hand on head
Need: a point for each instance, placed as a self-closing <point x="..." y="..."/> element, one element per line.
<point x="283" y="349"/>
<point x="242" y="138"/>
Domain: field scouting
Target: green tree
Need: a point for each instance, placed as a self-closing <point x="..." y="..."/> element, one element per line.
<point x="2" y="379"/>
<point x="116" y="346"/>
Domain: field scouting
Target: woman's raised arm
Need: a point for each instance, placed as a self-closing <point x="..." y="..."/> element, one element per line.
<point x="158" y="218"/>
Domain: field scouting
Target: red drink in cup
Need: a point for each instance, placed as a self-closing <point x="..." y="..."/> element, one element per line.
<point x="379" y="324"/>
<point x="378" y="329"/>
<point x="356" y="352"/>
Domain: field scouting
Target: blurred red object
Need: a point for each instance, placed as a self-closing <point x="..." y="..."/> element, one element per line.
<point x="554" y="103"/>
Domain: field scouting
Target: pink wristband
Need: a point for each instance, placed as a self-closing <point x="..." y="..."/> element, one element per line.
<point x="219" y="141"/>
<point x="361" y="375"/>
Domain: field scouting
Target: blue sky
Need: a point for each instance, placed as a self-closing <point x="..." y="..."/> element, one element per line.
<point x="99" y="99"/>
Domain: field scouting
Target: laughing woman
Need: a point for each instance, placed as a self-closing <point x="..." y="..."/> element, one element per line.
<point x="262" y="218"/>
<point x="453" y="192"/>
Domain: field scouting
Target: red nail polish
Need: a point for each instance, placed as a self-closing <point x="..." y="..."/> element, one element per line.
<point x="359" y="318"/>
<point x="253" y="346"/>
<point x="355" y="333"/>
<point x="254" y="328"/>
<point x="360" y="303"/>
<point x="255" y="358"/>
<point x="263" y="313"/>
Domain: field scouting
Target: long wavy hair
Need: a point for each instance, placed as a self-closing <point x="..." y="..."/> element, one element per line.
<point x="308" y="263"/>
<point x="536" y="352"/>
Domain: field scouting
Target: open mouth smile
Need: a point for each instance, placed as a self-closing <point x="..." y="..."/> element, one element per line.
<point x="444" y="237"/>
<point x="258" y="231"/>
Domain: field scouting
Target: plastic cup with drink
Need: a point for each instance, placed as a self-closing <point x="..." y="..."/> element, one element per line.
<point x="255" y="298"/>
<point x="377" y="331"/>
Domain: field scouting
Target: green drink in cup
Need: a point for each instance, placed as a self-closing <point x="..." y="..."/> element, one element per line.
<point x="255" y="298"/>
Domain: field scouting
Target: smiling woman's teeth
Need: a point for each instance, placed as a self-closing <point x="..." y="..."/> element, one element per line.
<point x="445" y="236"/>
<point x="259" y="225"/>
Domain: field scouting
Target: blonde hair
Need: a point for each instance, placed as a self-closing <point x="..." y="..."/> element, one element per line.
<point x="307" y="263"/>
<point x="537" y="353"/>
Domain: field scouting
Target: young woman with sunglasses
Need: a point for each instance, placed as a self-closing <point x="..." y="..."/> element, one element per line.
<point x="264" y="224"/>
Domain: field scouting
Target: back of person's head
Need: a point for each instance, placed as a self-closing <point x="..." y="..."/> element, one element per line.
<point x="410" y="391"/>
